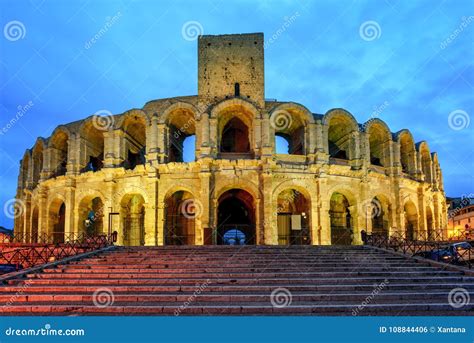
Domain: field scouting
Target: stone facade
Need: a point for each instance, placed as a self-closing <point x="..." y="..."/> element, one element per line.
<point x="125" y="172"/>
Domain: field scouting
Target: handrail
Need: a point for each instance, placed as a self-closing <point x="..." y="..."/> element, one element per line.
<point x="441" y="251"/>
<point x="37" y="254"/>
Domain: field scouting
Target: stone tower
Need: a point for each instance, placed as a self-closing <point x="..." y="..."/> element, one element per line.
<point x="231" y="65"/>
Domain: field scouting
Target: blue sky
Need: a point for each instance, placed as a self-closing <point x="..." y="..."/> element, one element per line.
<point x="413" y="69"/>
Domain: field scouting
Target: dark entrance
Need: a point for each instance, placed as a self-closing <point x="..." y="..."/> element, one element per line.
<point x="236" y="218"/>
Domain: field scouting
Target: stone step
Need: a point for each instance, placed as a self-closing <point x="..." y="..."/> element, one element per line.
<point x="164" y="275"/>
<point x="367" y="287"/>
<point x="383" y="296"/>
<point x="256" y="309"/>
<point x="248" y="281"/>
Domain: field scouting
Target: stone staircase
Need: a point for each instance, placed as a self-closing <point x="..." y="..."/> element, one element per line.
<point x="249" y="280"/>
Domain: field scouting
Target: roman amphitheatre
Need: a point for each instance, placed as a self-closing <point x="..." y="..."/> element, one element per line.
<point x="126" y="172"/>
<point x="279" y="210"/>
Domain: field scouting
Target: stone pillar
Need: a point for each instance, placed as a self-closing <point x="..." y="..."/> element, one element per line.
<point x="152" y="142"/>
<point x="151" y="209"/>
<point x="114" y="153"/>
<point x="323" y="206"/>
<point x="270" y="223"/>
<point x="357" y="224"/>
<point x="73" y="155"/>
<point x="355" y="155"/>
<point x="42" y="215"/>
<point x="213" y="139"/>
<point x="162" y="143"/>
<point x="205" y="149"/>
<point x="69" y="215"/>
<point x="205" y="177"/>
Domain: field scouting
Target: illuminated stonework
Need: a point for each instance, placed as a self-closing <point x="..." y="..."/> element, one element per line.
<point x="125" y="172"/>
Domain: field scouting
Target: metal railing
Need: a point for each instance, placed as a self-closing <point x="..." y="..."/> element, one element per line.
<point x="51" y="238"/>
<point x="18" y="256"/>
<point x="441" y="251"/>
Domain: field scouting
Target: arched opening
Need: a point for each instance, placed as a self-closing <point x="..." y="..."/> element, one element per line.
<point x="340" y="141"/>
<point x="57" y="220"/>
<point x="426" y="162"/>
<point x="181" y="136"/>
<point x="134" y="128"/>
<point x="181" y="211"/>
<point x="236" y="211"/>
<point x="94" y="147"/>
<point x="341" y="220"/>
<point x="37" y="162"/>
<point x="235" y="137"/>
<point x="58" y="150"/>
<point x="430" y="234"/>
<point x="293" y="218"/>
<point x="411" y="220"/>
<point x="289" y="126"/>
<point x="91" y="214"/>
<point x="407" y="154"/>
<point x="133" y="220"/>
<point x="34" y="226"/>
<point x="379" y="145"/>
<point x="380" y="214"/>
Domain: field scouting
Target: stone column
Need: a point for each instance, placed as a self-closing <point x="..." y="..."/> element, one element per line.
<point x="151" y="214"/>
<point x="270" y="224"/>
<point x="204" y="203"/>
<point x="69" y="215"/>
<point x="357" y="224"/>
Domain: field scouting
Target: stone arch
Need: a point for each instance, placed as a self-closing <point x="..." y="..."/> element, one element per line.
<point x="342" y="134"/>
<point x="38" y="158"/>
<point x="293" y="210"/>
<point x="381" y="214"/>
<point x="341" y="217"/>
<point x="180" y="120"/>
<point x="235" y="128"/>
<point x="425" y="160"/>
<point x="133" y="124"/>
<point x="379" y="139"/>
<point x="407" y="152"/>
<point x="236" y="218"/>
<point x="181" y="211"/>
<point x="57" y="219"/>
<point x="411" y="220"/>
<point x="290" y="121"/>
<point x="132" y="218"/>
<point x="245" y="185"/>
<point x="92" y="134"/>
<point x="90" y="214"/>
<point x="58" y="149"/>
